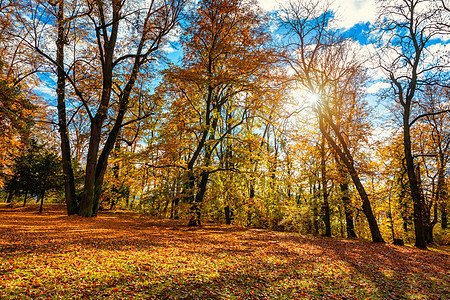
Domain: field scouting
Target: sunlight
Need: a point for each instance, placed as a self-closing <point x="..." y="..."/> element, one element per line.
<point x="312" y="98"/>
<point x="305" y="97"/>
<point x="302" y="101"/>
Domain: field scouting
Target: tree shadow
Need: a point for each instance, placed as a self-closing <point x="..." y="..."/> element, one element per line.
<point x="218" y="261"/>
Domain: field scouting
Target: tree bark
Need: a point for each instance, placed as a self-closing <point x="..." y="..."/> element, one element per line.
<point x="228" y="215"/>
<point x="10" y="196"/>
<point x="444" y="221"/>
<point x="350" y="226"/>
<point x="89" y="202"/>
<point x="323" y="170"/>
<point x="25" y="198"/>
<point x="196" y="205"/>
<point x="347" y="159"/>
<point x="441" y="193"/>
<point x="416" y="195"/>
<point x="315" y="212"/>
<point x="69" y="180"/>
<point x="348" y="210"/>
<point x="42" y="200"/>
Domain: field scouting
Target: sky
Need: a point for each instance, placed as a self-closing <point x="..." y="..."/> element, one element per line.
<point x="349" y="12"/>
<point x="353" y="16"/>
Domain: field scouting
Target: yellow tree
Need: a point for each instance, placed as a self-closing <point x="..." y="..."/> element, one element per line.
<point x="432" y="141"/>
<point x="17" y="102"/>
<point x="324" y="63"/>
<point x="225" y="65"/>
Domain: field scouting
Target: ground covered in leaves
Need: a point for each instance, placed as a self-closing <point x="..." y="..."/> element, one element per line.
<point x="128" y="256"/>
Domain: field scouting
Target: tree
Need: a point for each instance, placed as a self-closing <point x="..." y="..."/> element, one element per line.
<point x="408" y="28"/>
<point x="225" y="65"/>
<point x="432" y="142"/>
<point x="36" y="170"/>
<point x="17" y="103"/>
<point x="61" y="40"/>
<point x="344" y="190"/>
<point x="16" y="116"/>
<point x="324" y="64"/>
<point x="121" y="60"/>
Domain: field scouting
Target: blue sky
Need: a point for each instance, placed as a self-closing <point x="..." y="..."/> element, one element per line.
<point x="354" y="18"/>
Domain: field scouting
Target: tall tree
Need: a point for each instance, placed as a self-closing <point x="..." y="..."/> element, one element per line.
<point x="324" y="63"/>
<point x="69" y="179"/>
<point x="225" y="63"/>
<point x="126" y="37"/>
<point x="17" y="102"/>
<point x="323" y="171"/>
<point x="408" y="28"/>
<point x="433" y="144"/>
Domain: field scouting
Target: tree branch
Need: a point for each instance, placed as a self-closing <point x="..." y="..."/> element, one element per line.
<point x="427" y="115"/>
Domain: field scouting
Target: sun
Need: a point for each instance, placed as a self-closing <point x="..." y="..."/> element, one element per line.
<point x="303" y="100"/>
<point x="312" y="98"/>
<point x="306" y="96"/>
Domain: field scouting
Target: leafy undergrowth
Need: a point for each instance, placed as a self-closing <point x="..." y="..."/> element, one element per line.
<point x="128" y="256"/>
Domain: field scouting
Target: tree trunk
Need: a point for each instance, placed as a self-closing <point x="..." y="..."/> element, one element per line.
<point x="175" y="199"/>
<point x="201" y="190"/>
<point x="116" y="170"/>
<point x="444" y="221"/>
<point x="208" y="134"/>
<point x="228" y="215"/>
<point x="69" y="180"/>
<point x="251" y="192"/>
<point x="441" y="193"/>
<point x="196" y="205"/>
<point x="347" y="159"/>
<point x="42" y="201"/>
<point x="95" y="169"/>
<point x="323" y="170"/>
<point x="10" y="196"/>
<point x="315" y="209"/>
<point x="391" y="220"/>
<point x="87" y="201"/>
<point x="429" y="233"/>
<point x="348" y="211"/>
<point x="416" y="195"/>
<point x="25" y="198"/>
<point x="426" y="213"/>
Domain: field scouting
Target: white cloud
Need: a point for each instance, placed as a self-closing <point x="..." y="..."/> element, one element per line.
<point x="383" y="133"/>
<point x="167" y="48"/>
<point x="45" y="91"/>
<point x="269" y="5"/>
<point x="374" y="88"/>
<point x="349" y="12"/>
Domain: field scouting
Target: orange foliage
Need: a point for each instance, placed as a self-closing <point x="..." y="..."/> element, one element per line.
<point x="122" y="255"/>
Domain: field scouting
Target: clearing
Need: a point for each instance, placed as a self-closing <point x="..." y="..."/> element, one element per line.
<point x="130" y="256"/>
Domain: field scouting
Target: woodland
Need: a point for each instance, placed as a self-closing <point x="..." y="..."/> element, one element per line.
<point x="218" y="112"/>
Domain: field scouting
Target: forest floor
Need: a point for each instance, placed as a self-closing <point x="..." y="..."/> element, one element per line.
<point x="125" y="255"/>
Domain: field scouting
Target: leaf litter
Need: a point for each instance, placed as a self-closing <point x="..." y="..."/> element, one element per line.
<point x="124" y="255"/>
